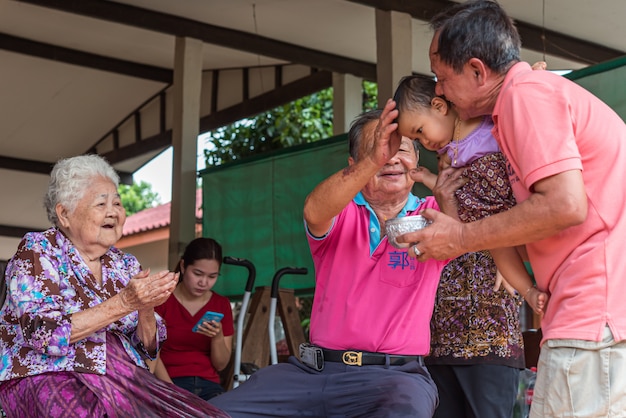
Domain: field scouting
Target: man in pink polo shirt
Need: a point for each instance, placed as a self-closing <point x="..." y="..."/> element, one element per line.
<point x="373" y="303"/>
<point x="567" y="157"/>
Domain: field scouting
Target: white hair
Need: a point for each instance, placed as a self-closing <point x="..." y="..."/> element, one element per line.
<point x="69" y="180"/>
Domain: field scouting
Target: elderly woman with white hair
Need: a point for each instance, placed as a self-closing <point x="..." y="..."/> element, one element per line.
<point x="78" y="321"/>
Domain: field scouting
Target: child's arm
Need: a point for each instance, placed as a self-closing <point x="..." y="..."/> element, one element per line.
<point x="500" y="281"/>
<point x="424" y="176"/>
<point x="510" y="264"/>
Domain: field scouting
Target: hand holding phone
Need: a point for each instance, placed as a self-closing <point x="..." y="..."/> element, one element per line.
<point x="208" y="317"/>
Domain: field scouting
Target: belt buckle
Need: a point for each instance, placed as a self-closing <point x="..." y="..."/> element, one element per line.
<point x="352" y="358"/>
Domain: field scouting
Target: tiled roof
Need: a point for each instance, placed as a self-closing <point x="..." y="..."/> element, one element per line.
<point x="156" y="217"/>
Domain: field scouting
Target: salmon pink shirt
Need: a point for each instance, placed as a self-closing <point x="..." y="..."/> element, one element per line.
<point x="545" y="125"/>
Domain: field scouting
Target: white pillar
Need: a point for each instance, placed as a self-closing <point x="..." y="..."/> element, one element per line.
<point x="347" y="101"/>
<point x="185" y="130"/>
<point x="394" y="51"/>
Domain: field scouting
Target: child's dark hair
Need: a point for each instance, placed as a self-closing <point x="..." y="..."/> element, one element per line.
<point x="201" y="249"/>
<point x="414" y="92"/>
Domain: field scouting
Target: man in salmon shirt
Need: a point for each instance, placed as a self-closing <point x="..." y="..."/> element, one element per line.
<point x="373" y="303"/>
<point x="567" y="156"/>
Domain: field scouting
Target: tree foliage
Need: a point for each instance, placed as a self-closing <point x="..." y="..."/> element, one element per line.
<point x="304" y="120"/>
<point x="370" y="95"/>
<point x="138" y="197"/>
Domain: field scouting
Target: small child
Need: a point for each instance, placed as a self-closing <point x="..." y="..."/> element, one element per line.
<point x="431" y="120"/>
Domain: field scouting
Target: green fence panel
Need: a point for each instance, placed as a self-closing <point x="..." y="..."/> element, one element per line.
<point x="254" y="209"/>
<point x="607" y="81"/>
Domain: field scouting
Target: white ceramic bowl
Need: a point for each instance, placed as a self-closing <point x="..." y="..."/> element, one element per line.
<point x="398" y="226"/>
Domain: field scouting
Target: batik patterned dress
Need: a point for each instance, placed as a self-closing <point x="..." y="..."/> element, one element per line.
<point x="472" y="323"/>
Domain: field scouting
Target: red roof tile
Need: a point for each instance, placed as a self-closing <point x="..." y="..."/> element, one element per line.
<point x="156" y="217"/>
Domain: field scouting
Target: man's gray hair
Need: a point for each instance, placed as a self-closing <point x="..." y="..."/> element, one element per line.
<point x="69" y="180"/>
<point x="355" y="134"/>
<point x="477" y="29"/>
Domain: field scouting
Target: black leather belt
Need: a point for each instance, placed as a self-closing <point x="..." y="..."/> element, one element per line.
<point x="366" y="358"/>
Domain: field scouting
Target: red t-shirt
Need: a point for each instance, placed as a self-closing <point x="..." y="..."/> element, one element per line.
<point x="188" y="353"/>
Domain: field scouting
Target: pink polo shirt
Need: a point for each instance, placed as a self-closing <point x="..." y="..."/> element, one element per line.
<point x="369" y="295"/>
<point x="546" y="124"/>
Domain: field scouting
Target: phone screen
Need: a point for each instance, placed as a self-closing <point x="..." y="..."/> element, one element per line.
<point x="208" y="317"/>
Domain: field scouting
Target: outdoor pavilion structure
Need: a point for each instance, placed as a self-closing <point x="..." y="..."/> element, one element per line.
<point x="126" y="79"/>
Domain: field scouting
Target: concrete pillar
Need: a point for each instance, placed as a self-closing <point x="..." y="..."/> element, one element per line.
<point x="394" y="51"/>
<point x="185" y="130"/>
<point x="347" y="101"/>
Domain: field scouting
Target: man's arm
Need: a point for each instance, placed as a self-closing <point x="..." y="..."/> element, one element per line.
<point x="329" y="197"/>
<point x="557" y="203"/>
<point x="333" y="194"/>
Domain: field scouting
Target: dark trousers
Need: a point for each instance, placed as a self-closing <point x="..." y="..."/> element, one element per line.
<point x="339" y="391"/>
<point x="475" y="391"/>
<point x="205" y="389"/>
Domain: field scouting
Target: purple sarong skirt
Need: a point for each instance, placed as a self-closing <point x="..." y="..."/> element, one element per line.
<point x="124" y="391"/>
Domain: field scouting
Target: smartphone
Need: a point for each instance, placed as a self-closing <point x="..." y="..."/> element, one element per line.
<point x="208" y="317"/>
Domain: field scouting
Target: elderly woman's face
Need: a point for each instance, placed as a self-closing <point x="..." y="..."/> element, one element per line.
<point x="97" y="222"/>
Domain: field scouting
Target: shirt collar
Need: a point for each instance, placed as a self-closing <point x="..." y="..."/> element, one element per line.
<point x="514" y="71"/>
<point x="375" y="234"/>
<point x="412" y="203"/>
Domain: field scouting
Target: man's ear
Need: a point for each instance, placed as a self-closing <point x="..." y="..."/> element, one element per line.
<point x="479" y="70"/>
<point x="440" y="105"/>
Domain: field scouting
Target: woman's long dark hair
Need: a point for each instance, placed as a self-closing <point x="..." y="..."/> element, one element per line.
<point x="201" y="249"/>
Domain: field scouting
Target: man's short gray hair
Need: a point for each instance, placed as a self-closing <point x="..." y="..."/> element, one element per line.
<point x="357" y="132"/>
<point x="69" y="180"/>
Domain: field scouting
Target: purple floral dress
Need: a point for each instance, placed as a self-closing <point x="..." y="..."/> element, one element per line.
<point x="105" y="374"/>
